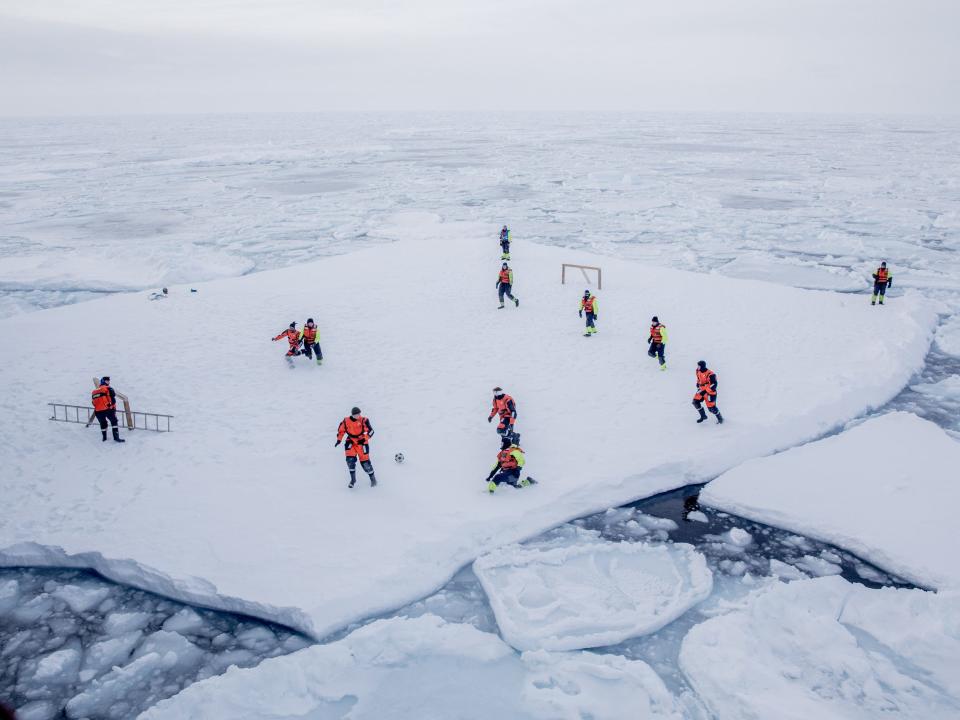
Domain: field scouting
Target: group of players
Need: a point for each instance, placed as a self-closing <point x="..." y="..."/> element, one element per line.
<point x="355" y="430"/>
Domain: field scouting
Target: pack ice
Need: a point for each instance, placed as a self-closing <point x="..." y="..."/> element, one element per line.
<point x="245" y="505"/>
<point x="829" y="649"/>
<point x="582" y="593"/>
<point x="886" y="490"/>
<point x="427" y="668"/>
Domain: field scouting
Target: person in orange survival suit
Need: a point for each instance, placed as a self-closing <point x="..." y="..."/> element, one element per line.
<point x="505" y="284"/>
<point x="506" y="408"/>
<point x="293" y="338"/>
<point x="706" y="392"/>
<point x="358" y="432"/>
<point x="104" y="400"/>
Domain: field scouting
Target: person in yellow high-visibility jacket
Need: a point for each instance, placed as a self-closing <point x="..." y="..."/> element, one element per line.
<point x="658" y="341"/>
<point x="510" y="462"/>
<point x="882" y="279"/>
<point x="589" y="306"/>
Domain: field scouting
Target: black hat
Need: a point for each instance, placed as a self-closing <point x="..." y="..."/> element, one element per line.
<point x="309" y="320"/>
<point x="104" y="379"/>
<point x="586" y="292"/>
<point x="293" y="325"/>
<point x="355" y="411"/>
<point x="883" y="264"/>
<point x="702" y="364"/>
<point x="654" y="319"/>
<point x="504" y="266"/>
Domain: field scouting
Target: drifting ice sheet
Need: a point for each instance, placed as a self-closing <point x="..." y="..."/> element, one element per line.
<point x="830" y="650"/>
<point x="886" y="490"/>
<point x="590" y="594"/>
<point x="248" y="492"/>
<point x="427" y="668"/>
<point x="948" y="336"/>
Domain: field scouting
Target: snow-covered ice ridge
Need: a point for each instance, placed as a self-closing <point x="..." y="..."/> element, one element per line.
<point x="821" y="648"/>
<point x="245" y="507"/>
<point x="886" y="490"/>
<point x="426" y="667"/>
<point x="826" y="648"/>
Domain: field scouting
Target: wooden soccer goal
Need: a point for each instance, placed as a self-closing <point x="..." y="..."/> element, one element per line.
<point x="583" y="269"/>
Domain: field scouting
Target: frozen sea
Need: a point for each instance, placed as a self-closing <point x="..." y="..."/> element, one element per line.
<point x="813" y="201"/>
<point x="94" y="206"/>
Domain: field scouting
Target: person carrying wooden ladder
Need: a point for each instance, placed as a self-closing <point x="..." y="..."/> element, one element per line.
<point x="105" y="408"/>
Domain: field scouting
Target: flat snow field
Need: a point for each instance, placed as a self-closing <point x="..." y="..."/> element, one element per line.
<point x="886" y="490"/>
<point x="245" y="505"/>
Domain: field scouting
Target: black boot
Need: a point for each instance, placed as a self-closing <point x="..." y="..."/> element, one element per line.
<point x="116" y="436"/>
<point x="703" y="415"/>
<point x="373" y="481"/>
<point x="719" y="418"/>
<point x="353" y="480"/>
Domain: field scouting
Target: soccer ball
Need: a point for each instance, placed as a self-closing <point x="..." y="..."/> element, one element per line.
<point x="398" y="457"/>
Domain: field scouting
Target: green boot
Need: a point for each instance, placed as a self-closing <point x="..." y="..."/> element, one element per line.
<point x="491" y="486"/>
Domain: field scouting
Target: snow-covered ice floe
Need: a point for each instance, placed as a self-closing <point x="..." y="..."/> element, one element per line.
<point x="886" y="490"/>
<point x="826" y="648"/>
<point x="799" y="274"/>
<point x="427" y="668"/>
<point x="948" y="336"/>
<point x="589" y="594"/>
<point x="245" y="507"/>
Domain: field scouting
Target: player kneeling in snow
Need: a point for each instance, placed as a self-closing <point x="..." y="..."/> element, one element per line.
<point x="358" y="431"/>
<point x="510" y="461"/>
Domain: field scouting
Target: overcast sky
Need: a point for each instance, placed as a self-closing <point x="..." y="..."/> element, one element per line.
<point x="134" y="56"/>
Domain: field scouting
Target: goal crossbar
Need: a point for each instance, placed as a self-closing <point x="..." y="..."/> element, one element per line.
<point x="583" y="269"/>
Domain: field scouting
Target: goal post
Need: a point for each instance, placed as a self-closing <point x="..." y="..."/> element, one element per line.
<point x="583" y="269"/>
